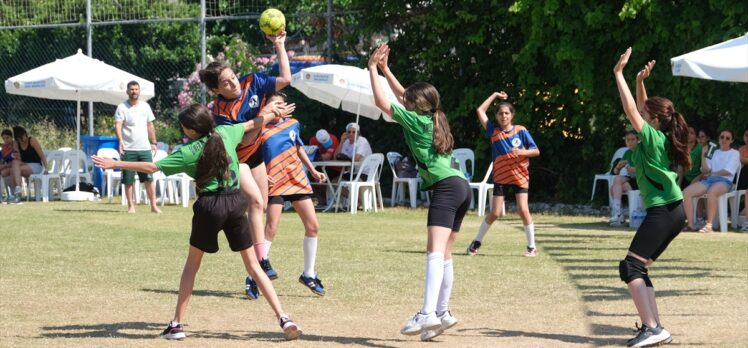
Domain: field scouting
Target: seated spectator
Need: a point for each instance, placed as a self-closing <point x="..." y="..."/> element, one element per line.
<point x="625" y="179"/>
<point x="30" y="160"/>
<point x="694" y="149"/>
<point x="718" y="171"/>
<point x="345" y="151"/>
<point x="326" y="144"/>
<point x="6" y="158"/>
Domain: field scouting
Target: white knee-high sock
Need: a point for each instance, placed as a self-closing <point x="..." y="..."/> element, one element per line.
<point x="434" y="276"/>
<point x="310" y="256"/>
<point x="482" y="230"/>
<point x="445" y="292"/>
<point x="530" y="233"/>
<point x="268" y="243"/>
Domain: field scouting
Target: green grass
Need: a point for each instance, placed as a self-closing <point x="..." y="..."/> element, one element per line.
<point x="90" y="275"/>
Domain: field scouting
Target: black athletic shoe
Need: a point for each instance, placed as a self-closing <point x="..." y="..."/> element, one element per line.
<point x="269" y="271"/>
<point x="313" y="284"/>
<point x="173" y="332"/>
<point x="473" y="248"/>
<point x="650" y="337"/>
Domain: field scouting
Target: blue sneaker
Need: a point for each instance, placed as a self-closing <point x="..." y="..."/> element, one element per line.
<point x="269" y="271"/>
<point x="251" y="288"/>
<point x="313" y="284"/>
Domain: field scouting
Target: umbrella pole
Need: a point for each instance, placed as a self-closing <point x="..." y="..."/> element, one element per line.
<point x="77" y="143"/>
<point x="355" y="138"/>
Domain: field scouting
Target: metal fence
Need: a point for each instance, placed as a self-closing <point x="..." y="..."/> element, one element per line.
<point x="162" y="41"/>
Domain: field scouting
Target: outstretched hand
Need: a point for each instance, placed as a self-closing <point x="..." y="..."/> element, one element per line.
<point x="277" y="39"/>
<point x="622" y="61"/>
<point x="103" y="162"/>
<point x="377" y="56"/>
<point x="383" y="64"/>
<point x="644" y="73"/>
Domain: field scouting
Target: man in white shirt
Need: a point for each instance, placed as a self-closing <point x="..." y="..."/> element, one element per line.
<point x="137" y="142"/>
<point x="345" y="151"/>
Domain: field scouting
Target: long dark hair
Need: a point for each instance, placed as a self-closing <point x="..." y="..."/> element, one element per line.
<point x="423" y="98"/>
<point x="209" y="75"/>
<point x="674" y="125"/>
<point x="214" y="161"/>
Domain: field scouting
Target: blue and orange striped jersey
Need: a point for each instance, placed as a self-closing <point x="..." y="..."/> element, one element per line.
<point x="256" y="88"/>
<point x="508" y="168"/>
<point x="285" y="169"/>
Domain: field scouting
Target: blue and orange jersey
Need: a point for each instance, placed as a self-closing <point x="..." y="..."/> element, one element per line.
<point x="508" y="168"/>
<point x="284" y="167"/>
<point x="256" y="88"/>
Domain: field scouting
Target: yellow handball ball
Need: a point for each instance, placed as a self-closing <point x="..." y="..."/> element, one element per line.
<point x="272" y="22"/>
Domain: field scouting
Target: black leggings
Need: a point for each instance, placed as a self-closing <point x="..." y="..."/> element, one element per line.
<point x="662" y="224"/>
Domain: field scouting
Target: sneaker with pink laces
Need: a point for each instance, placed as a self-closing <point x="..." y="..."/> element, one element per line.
<point x="531" y="252"/>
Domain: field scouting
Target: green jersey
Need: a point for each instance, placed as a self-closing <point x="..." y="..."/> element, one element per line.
<point x="653" y="175"/>
<point x="695" y="164"/>
<point x="419" y="131"/>
<point x="185" y="159"/>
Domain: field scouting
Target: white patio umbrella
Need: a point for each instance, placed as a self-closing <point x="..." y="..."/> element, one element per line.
<point x="343" y="86"/>
<point x="726" y="61"/>
<point x="79" y="78"/>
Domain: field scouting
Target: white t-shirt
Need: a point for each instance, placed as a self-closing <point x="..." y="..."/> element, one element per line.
<point x="362" y="148"/>
<point x="135" y="120"/>
<point x="728" y="160"/>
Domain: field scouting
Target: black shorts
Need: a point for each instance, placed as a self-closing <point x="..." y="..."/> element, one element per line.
<point x="632" y="183"/>
<point x="227" y="211"/>
<point x="255" y="159"/>
<point x="288" y="198"/>
<point x="503" y="189"/>
<point x="450" y="200"/>
<point x="662" y="224"/>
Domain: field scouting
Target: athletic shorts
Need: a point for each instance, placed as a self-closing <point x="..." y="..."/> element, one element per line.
<point x="288" y="198"/>
<point x="710" y="181"/>
<point x="36" y="168"/>
<point x="661" y="225"/>
<point x="128" y="176"/>
<point x="216" y="211"/>
<point x="255" y="159"/>
<point x="450" y="200"/>
<point x="503" y="189"/>
<point x="632" y="183"/>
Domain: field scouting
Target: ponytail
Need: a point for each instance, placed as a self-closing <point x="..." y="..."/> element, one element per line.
<point x="442" y="138"/>
<point x="677" y="132"/>
<point x="213" y="163"/>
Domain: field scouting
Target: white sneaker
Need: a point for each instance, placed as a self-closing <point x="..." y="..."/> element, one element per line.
<point x="421" y="322"/>
<point x="18" y="191"/>
<point x="617" y="220"/>
<point x="447" y="320"/>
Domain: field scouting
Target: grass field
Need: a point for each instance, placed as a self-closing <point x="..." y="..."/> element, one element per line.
<point x="87" y="274"/>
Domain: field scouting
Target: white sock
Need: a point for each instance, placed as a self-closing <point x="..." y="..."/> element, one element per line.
<point x="446" y="289"/>
<point x="268" y="243"/>
<point x="484" y="226"/>
<point x="530" y="233"/>
<point x="434" y="276"/>
<point x="616" y="207"/>
<point x="310" y="256"/>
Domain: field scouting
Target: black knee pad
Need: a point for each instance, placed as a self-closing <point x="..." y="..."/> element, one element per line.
<point x="647" y="281"/>
<point x="631" y="268"/>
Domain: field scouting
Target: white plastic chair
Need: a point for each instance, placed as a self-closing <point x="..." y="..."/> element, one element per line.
<point x="185" y="185"/>
<point x="607" y="176"/>
<point x="399" y="184"/>
<point x="56" y="163"/>
<point x="372" y="164"/>
<point x="464" y="155"/>
<point x="636" y="203"/>
<point x="484" y="187"/>
<point x="732" y="198"/>
<point x="76" y="164"/>
<point x="139" y="191"/>
<point x="113" y="178"/>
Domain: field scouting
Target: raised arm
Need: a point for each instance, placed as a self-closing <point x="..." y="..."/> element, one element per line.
<point x="380" y="99"/>
<point x="483" y="108"/>
<point x="627" y="100"/>
<point x="641" y="92"/>
<point x="268" y="113"/>
<point x="284" y="68"/>
<point x="395" y="85"/>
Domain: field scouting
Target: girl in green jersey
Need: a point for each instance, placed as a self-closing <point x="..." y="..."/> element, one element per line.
<point x="427" y="134"/>
<point x="210" y="158"/>
<point x="663" y="136"/>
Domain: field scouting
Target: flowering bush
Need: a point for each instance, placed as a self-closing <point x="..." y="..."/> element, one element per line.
<point x="242" y="58"/>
